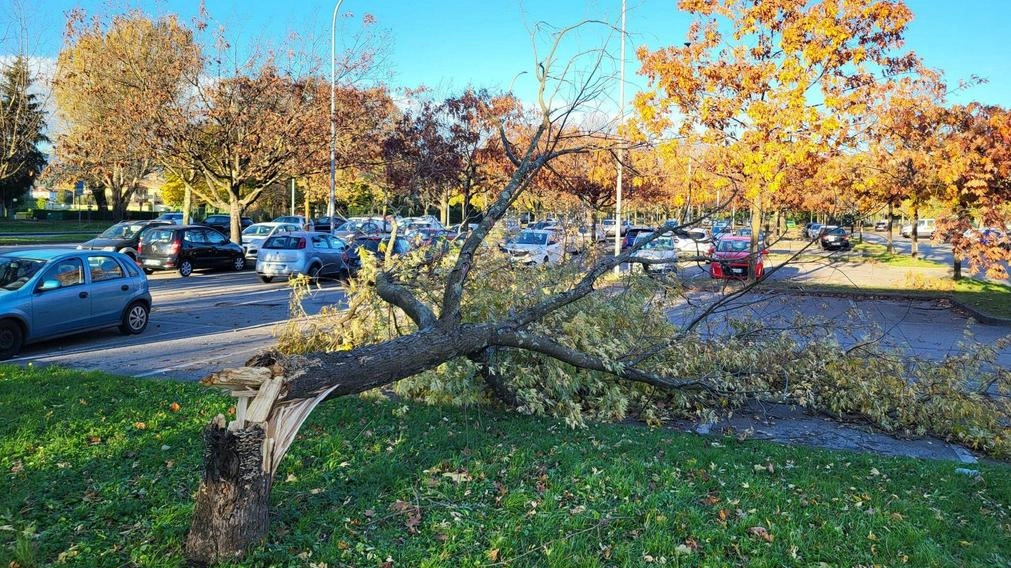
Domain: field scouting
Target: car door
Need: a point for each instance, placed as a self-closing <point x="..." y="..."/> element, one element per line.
<point x="321" y="247"/>
<point x="62" y="301"/>
<point x="218" y="251"/>
<point x="195" y="247"/>
<point x="110" y="289"/>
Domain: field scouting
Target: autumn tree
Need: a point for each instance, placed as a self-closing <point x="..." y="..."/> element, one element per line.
<point x="241" y="458"/>
<point x="777" y="81"/>
<point x="240" y="135"/>
<point x="974" y="166"/>
<point x="22" y="126"/>
<point x="114" y="84"/>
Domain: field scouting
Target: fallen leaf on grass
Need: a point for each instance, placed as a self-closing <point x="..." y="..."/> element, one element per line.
<point x="761" y="532"/>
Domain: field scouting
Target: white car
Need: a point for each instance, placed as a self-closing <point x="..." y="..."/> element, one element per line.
<point x="660" y="248"/>
<point x="533" y="247"/>
<point x="254" y="235"/>
<point x="696" y="243"/>
<point x="924" y="229"/>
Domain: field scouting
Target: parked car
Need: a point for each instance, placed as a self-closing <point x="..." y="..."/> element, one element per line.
<point x="610" y="226"/>
<point x="47" y="293"/>
<point x="692" y="242"/>
<point x="924" y="229"/>
<point x="533" y="247"/>
<point x="988" y="236"/>
<point x="326" y="224"/>
<point x="299" y="220"/>
<point x="882" y="225"/>
<point x="813" y="230"/>
<point x="254" y="235"/>
<point x="730" y="258"/>
<point x="836" y="238"/>
<point x="223" y="223"/>
<point x="175" y="217"/>
<point x="631" y="233"/>
<point x="121" y="237"/>
<point x="661" y="248"/>
<point x="357" y="226"/>
<point x="317" y="255"/>
<point x="377" y="245"/>
<point x="186" y="248"/>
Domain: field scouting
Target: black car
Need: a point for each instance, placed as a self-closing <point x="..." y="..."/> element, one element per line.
<point x="376" y="246"/>
<point x="223" y="223"/>
<point x="121" y="237"/>
<point x="835" y="238"/>
<point x="185" y="248"/>
<point x="325" y="225"/>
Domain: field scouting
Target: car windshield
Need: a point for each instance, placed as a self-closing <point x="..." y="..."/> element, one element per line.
<point x="122" y="231"/>
<point x="839" y="231"/>
<point x="531" y="238"/>
<point x="660" y="243"/>
<point x="258" y="230"/>
<point x="728" y="245"/>
<point x="16" y="271"/>
<point x="284" y="242"/>
<point x="353" y="226"/>
<point x="288" y="219"/>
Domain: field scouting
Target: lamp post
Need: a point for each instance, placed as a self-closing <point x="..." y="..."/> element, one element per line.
<point x="621" y="118"/>
<point x="333" y="110"/>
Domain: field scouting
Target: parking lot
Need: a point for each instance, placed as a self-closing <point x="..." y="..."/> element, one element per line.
<point x="214" y="320"/>
<point x="199" y="324"/>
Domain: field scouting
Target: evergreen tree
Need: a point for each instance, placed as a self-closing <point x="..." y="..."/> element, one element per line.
<point x="22" y="125"/>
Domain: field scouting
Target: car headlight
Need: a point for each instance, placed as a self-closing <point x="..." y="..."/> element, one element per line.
<point x="80" y="247"/>
<point x="109" y="249"/>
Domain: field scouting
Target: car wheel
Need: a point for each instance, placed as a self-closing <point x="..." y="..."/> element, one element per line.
<point x="239" y="263"/>
<point x="314" y="271"/>
<point x="134" y="319"/>
<point x="11" y="338"/>
<point x="185" y="268"/>
<point x="266" y="279"/>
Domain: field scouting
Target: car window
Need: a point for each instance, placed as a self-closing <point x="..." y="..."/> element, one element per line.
<point x="283" y="242"/>
<point x="158" y="236"/>
<point x="336" y="243"/>
<point x="194" y="237"/>
<point x="320" y="242"/>
<point x="68" y="272"/>
<point x="214" y="237"/>
<point x="15" y="272"/>
<point x="104" y="268"/>
<point x="531" y="238"/>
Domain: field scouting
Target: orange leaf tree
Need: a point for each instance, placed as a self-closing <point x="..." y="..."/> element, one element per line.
<point x="778" y="82"/>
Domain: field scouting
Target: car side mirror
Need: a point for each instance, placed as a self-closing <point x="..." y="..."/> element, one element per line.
<point x="49" y="285"/>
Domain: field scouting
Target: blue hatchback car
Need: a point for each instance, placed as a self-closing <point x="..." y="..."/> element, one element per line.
<point x="47" y="293"/>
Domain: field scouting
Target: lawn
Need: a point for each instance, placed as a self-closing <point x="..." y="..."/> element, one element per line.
<point x="101" y="470"/>
<point x="19" y="232"/>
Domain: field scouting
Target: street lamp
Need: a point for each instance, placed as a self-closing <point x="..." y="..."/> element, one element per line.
<point x="621" y="118"/>
<point x="333" y="111"/>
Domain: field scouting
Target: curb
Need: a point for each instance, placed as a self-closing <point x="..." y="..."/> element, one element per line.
<point x="972" y="312"/>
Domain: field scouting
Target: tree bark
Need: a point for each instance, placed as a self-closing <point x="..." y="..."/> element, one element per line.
<point x="231" y="510"/>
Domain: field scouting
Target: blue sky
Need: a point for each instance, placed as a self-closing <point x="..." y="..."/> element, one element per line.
<point x="451" y="44"/>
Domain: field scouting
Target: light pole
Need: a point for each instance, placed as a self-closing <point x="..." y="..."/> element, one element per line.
<point x="333" y="110"/>
<point x="621" y="118"/>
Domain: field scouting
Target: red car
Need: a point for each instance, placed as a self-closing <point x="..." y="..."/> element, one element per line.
<point x="730" y="258"/>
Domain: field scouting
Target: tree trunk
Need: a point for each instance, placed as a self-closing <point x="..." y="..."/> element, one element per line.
<point x="915" y="248"/>
<point x="187" y="203"/>
<point x="891" y="230"/>
<point x="235" y="216"/>
<point x="231" y="510"/>
<point x="756" y="229"/>
<point x="956" y="267"/>
<point x="444" y="207"/>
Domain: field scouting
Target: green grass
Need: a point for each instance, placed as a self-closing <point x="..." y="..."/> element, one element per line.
<point x="100" y="471"/>
<point x="24" y="228"/>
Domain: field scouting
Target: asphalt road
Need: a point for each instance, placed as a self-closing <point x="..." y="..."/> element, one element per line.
<point x="207" y="322"/>
<point x="215" y="320"/>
